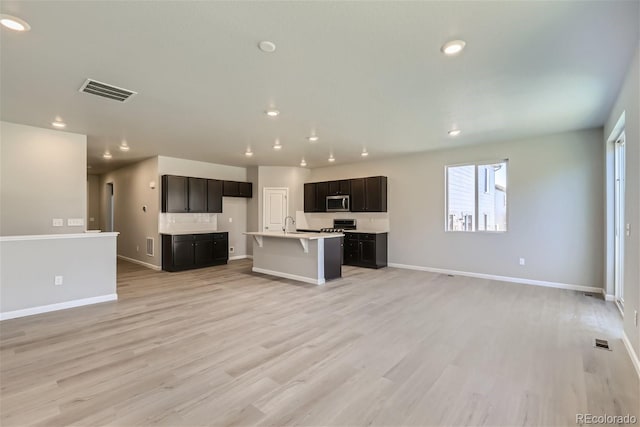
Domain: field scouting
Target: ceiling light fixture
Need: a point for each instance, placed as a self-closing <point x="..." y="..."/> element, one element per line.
<point x="267" y="46"/>
<point x="272" y="112"/>
<point x="303" y="163"/>
<point x="277" y="145"/>
<point x="331" y="158"/>
<point x="107" y="155"/>
<point x="313" y="138"/>
<point x="454" y="132"/>
<point x="248" y="153"/>
<point x="364" y="153"/>
<point x="453" y="47"/>
<point x="14" y="23"/>
<point x="124" y="146"/>
<point x="58" y="124"/>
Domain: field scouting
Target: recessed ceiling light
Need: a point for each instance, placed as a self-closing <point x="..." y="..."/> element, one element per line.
<point x="364" y="153"/>
<point x="267" y="46"/>
<point x="303" y="163"/>
<point x="58" y="124"/>
<point x="277" y="145"/>
<point x="453" y="47"/>
<point x="454" y="132"/>
<point x="272" y="112"/>
<point x="107" y="155"/>
<point x="313" y="138"/>
<point x="331" y="158"/>
<point x="124" y="146"/>
<point x="14" y="23"/>
<point x="248" y="153"/>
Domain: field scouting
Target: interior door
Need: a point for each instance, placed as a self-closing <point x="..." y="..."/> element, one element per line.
<point x="275" y="209"/>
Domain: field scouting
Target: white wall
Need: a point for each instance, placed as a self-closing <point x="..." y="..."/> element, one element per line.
<point x="233" y="208"/>
<point x="131" y="191"/>
<point x="42" y="177"/>
<point x="86" y="262"/>
<point x="279" y="176"/>
<point x="252" y="207"/>
<point x="555" y="209"/>
<point x="628" y="103"/>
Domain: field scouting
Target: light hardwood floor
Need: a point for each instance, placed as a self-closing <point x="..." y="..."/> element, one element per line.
<point x="223" y="346"/>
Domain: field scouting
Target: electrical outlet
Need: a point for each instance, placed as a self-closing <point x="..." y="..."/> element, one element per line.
<point x="57" y="280"/>
<point x="231" y="249"/>
<point x="230" y="219"/>
<point x="522" y="262"/>
<point x="635" y="317"/>
<point x="627" y="229"/>
<point x="75" y="222"/>
<point x="58" y="222"/>
<point x="137" y="248"/>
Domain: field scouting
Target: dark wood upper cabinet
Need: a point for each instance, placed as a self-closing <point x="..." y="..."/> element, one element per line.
<point x="369" y="194"/>
<point x="197" y="195"/>
<point x="237" y="189"/>
<point x="245" y="189"/>
<point x="358" y="197"/>
<point x="310" y="197"/>
<point x="322" y="188"/>
<point x="214" y="196"/>
<point x="339" y="188"/>
<point x="175" y="193"/>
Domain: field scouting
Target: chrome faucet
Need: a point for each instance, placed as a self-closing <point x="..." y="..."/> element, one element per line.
<point x="293" y="221"/>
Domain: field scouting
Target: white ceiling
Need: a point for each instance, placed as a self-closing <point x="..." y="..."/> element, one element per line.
<point x="360" y="74"/>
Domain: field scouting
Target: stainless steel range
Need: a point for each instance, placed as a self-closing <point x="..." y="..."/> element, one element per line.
<point x="340" y="225"/>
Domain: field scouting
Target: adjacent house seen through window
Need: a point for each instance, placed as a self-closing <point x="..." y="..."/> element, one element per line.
<point x="477" y="197"/>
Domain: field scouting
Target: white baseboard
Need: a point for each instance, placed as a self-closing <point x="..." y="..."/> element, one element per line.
<point x="55" y="307"/>
<point x="142" y="263"/>
<point x="235" y="257"/>
<point x="608" y="297"/>
<point x="632" y="353"/>
<point x="289" y="276"/>
<point x="501" y="278"/>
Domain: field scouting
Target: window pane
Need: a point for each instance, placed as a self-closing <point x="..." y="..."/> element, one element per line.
<point x="492" y="197"/>
<point x="461" y="198"/>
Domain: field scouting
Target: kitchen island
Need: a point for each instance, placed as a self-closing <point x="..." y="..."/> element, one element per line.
<point x="307" y="257"/>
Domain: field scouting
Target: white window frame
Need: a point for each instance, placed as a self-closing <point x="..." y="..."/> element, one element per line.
<point x="476" y="220"/>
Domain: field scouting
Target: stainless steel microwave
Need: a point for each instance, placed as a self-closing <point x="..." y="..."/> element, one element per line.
<point x="337" y="203"/>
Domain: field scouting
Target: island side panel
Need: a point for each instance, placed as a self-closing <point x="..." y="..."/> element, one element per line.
<point x="286" y="258"/>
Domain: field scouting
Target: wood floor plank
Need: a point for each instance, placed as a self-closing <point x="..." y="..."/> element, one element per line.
<point x="223" y="346"/>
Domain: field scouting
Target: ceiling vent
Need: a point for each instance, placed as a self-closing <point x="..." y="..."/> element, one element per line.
<point x="105" y="90"/>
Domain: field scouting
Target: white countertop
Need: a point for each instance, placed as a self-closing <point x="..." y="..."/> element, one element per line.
<point x="294" y="235"/>
<point x="366" y="231"/>
<point x="182" y="232"/>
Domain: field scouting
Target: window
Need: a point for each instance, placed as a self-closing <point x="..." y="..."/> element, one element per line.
<point x="473" y="188"/>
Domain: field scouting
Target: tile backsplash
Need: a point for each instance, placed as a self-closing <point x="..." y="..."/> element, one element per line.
<point x="176" y="222"/>
<point x="364" y="221"/>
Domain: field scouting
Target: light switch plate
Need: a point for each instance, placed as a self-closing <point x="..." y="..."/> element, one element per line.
<point x="75" y="222"/>
<point x="58" y="222"/>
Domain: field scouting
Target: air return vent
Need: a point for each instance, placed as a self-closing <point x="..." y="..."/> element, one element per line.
<point x="150" y="246"/>
<point x="600" y="343"/>
<point x="105" y="90"/>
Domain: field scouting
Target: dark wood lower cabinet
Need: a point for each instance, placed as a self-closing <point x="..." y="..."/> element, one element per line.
<point x="333" y="258"/>
<point x="188" y="251"/>
<point x="365" y="249"/>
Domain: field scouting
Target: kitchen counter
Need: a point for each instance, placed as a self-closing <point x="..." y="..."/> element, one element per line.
<point x="295" y="234"/>
<point x="182" y="232"/>
<point x="304" y="256"/>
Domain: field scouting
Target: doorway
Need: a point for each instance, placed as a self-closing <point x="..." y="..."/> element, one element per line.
<point x="618" y="219"/>
<point x="275" y="209"/>
<point x="109" y="208"/>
